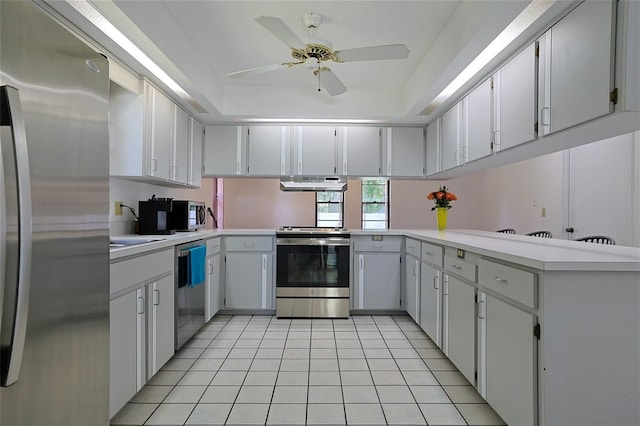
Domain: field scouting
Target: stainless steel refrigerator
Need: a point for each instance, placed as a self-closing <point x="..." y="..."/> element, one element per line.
<point x="54" y="201"/>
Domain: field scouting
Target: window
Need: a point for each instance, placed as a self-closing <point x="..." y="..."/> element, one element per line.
<point x="375" y="208"/>
<point x="330" y="209"/>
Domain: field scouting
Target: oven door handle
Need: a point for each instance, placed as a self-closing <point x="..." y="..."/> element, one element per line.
<point x="324" y="241"/>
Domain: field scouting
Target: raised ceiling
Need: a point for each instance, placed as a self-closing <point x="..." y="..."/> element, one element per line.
<point x="198" y="42"/>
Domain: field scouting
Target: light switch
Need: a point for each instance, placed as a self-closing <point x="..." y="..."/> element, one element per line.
<point x="544" y="212"/>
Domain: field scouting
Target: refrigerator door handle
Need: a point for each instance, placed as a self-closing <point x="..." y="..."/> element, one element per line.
<point x="12" y="353"/>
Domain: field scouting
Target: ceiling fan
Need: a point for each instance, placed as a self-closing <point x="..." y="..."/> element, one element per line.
<point x="315" y="52"/>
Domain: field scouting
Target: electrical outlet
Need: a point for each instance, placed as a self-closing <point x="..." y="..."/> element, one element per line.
<point x="118" y="208"/>
<point x="544" y="212"/>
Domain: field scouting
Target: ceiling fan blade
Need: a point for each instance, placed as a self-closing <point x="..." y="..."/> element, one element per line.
<point x="374" y="53"/>
<point x="279" y="29"/>
<point x="331" y="82"/>
<point x="258" y="70"/>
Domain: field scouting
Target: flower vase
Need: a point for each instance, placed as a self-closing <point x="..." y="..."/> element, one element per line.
<point x="441" y="214"/>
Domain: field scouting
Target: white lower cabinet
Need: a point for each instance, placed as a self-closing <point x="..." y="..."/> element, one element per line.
<point x="411" y="296"/>
<point x="249" y="273"/>
<point x="376" y="273"/>
<point x="127" y="337"/>
<point x="141" y="323"/>
<point x="214" y="291"/>
<point x="507" y="370"/>
<point x="460" y="325"/>
<point x="431" y="302"/>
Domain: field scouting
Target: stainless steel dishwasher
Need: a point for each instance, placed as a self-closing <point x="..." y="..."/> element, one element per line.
<point x="189" y="300"/>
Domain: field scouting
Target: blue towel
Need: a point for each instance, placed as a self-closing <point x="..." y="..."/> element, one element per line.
<point x="196" y="265"/>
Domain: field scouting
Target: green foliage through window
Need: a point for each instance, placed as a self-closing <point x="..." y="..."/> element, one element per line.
<point x="375" y="206"/>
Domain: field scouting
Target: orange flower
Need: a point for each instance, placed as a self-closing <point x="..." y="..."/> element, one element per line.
<point x="442" y="198"/>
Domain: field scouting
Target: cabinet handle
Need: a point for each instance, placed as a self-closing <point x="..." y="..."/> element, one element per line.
<point x="140" y="305"/>
<point x="428" y="253"/>
<point x="376" y="247"/>
<point x="481" y="310"/>
<point x="435" y="282"/>
<point x="500" y="280"/>
<point x="175" y="171"/>
<point x="210" y="269"/>
<point x="496" y="140"/>
<point x="250" y="245"/>
<point x="456" y="267"/>
<point x="543" y="122"/>
<point x="456" y="156"/>
<point x="156" y="297"/>
<point x="154" y="164"/>
<point x="415" y="274"/>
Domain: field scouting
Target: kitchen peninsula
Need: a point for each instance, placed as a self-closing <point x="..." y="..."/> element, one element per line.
<point x="547" y="330"/>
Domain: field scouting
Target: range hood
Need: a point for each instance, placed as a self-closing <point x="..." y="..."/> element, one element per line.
<point x="314" y="184"/>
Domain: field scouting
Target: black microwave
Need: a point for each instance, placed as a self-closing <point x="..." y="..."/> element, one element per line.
<point x="187" y="215"/>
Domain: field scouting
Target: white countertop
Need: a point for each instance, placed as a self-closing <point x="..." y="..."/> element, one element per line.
<point x="549" y="254"/>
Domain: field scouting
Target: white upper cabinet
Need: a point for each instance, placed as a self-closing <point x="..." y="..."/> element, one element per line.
<point x="452" y="133"/>
<point x="477" y="119"/>
<point x="180" y="146"/>
<point x="149" y="137"/>
<point x="315" y="150"/>
<point x="223" y="151"/>
<point x="159" y="134"/>
<point x="404" y="151"/>
<point x="434" y="131"/>
<point x="195" y="155"/>
<point x="577" y="76"/>
<point x="361" y="149"/>
<point x="515" y="98"/>
<point x="267" y="150"/>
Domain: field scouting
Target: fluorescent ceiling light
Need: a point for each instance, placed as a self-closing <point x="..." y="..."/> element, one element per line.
<point x="527" y="17"/>
<point x="97" y="19"/>
<point x="311" y="120"/>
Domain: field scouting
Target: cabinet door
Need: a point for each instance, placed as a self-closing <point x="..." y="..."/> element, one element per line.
<point x="461" y="321"/>
<point x="161" y="309"/>
<point x="412" y="287"/>
<point x="180" y="151"/>
<point x="126" y="348"/>
<point x="510" y="361"/>
<point x="581" y="65"/>
<point x="267" y="150"/>
<point x="451" y="136"/>
<point x="248" y="281"/>
<point x="477" y="119"/>
<point x="405" y="151"/>
<point x="195" y="153"/>
<point x="361" y="151"/>
<point x="223" y="151"/>
<point x="316" y="150"/>
<point x="213" y="293"/>
<point x="160" y="134"/>
<point x="430" y="303"/>
<point x="515" y="100"/>
<point x="377" y="281"/>
<point x="433" y="147"/>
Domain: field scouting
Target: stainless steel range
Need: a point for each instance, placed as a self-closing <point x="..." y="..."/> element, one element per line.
<point x="312" y="272"/>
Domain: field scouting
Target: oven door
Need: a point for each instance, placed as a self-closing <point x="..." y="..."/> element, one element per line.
<point x="319" y="263"/>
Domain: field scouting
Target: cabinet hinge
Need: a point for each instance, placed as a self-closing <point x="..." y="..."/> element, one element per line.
<point x="335" y="133"/>
<point x="535" y="127"/>
<point x="204" y="131"/>
<point x="475" y="376"/>
<point x="613" y="96"/>
<point x="476" y="298"/>
<point x="537" y="51"/>
<point x="536" y="331"/>
<point x="248" y="131"/>
<point x="491" y="84"/>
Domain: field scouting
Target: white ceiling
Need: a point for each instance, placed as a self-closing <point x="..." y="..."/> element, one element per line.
<point x="198" y="42"/>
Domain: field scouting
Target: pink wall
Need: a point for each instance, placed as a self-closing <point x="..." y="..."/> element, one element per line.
<point x="489" y="200"/>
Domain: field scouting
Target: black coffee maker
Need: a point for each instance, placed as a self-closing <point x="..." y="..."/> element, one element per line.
<point x="154" y="214"/>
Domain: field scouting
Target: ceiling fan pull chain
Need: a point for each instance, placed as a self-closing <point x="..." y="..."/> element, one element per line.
<point x="318" y="81"/>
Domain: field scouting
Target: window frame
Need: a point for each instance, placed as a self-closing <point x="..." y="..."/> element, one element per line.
<point x="340" y="203"/>
<point x="363" y="203"/>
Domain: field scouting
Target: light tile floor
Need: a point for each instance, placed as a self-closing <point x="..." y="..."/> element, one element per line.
<point x="257" y="370"/>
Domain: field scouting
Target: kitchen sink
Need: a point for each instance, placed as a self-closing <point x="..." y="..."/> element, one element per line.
<point x="126" y="242"/>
